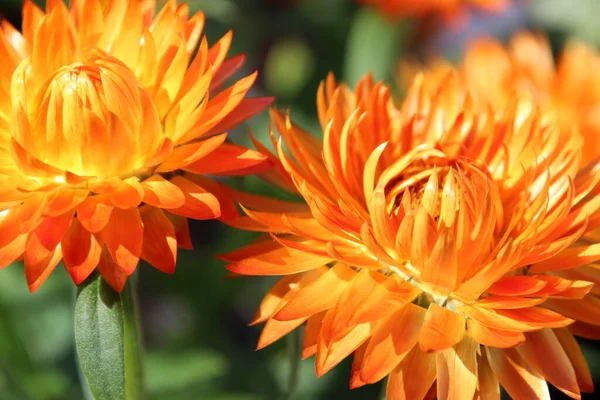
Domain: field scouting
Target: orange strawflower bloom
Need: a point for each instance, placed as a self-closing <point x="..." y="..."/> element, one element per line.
<point x="493" y="73"/>
<point x="107" y="123"/>
<point x="396" y="9"/>
<point x="425" y="238"/>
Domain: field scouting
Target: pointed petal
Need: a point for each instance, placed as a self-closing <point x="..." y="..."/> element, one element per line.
<point x="275" y="330"/>
<point x="493" y="337"/>
<point x="573" y="351"/>
<point x="311" y="335"/>
<point x="584" y="310"/>
<point x="81" y="252"/>
<point x="111" y="272"/>
<point x="46" y="237"/>
<point x="371" y="295"/>
<point x="37" y="272"/>
<point x="182" y="231"/>
<point x="390" y="342"/>
<point x="543" y="352"/>
<point x="516" y="376"/>
<point x="488" y="387"/>
<point x="441" y="329"/>
<point x="272" y="300"/>
<point x="318" y="296"/>
<point x="230" y="159"/>
<point x="441" y="268"/>
<point x="516" y="286"/>
<point x="457" y="370"/>
<point x="569" y="258"/>
<point x="159" y="246"/>
<point x="94" y="213"/>
<point x="127" y="194"/>
<point x="64" y="201"/>
<point x="245" y="110"/>
<point x="413" y="377"/>
<point x="332" y="352"/>
<point x="189" y="153"/>
<point x="161" y="193"/>
<point x="123" y="237"/>
<point x="273" y="260"/>
<point x="199" y="203"/>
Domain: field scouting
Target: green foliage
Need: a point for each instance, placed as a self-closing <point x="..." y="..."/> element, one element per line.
<point x="107" y="341"/>
<point x="373" y="46"/>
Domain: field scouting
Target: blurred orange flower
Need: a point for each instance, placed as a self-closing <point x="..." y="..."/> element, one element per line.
<point x="494" y="73"/>
<point x="107" y="122"/>
<point x="426" y="237"/>
<point x="450" y="8"/>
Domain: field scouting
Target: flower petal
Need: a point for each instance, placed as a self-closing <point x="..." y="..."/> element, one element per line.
<point x="331" y="352"/>
<point x="413" y="377"/>
<point x="230" y="159"/>
<point x="159" y="247"/>
<point x="319" y="295"/>
<point x="573" y="351"/>
<point x="161" y="193"/>
<point x="516" y="286"/>
<point x="493" y="337"/>
<point x="516" y="376"/>
<point x="390" y="342"/>
<point x="457" y="370"/>
<point x="110" y="271"/>
<point x="38" y="271"/>
<point x="311" y="335"/>
<point x="123" y="237"/>
<point x="272" y="259"/>
<point x="95" y="212"/>
<point x="544" y="353"/>
<point x="199" y="203"/>
<point x="441" y="329"/>
<point x="81" y="252"/>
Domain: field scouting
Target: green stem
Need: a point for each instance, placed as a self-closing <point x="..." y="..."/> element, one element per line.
<point x="294" y="342"/>
<point x="107" y="337"/>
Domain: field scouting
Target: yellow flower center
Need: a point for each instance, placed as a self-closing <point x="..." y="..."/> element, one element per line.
<point x="90" y="118"/>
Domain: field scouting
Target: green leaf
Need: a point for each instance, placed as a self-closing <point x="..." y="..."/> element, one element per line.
<point x="169" y="372"/>
<point x="373" y="45"/>
<point x="107" y="340"/>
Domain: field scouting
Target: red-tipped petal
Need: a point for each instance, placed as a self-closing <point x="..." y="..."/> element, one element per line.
<point x="123" y="237"/>
<point x="111" y="272"/>
<point x="161" y="193"/>
<point x="94" y="213"/>
<point x="160" y="244"/>
<point x="199" y="203"/>
<point x="81" y="252"/>
<point x="230" y="159"/>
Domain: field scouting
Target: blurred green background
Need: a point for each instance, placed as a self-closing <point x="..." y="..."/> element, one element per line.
<point x="197" y="343"/>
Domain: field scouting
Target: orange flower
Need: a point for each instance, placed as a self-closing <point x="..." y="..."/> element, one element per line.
<point x="451" y="8"/>
<point x="103" y="110"/>
<point x="493" y="73"/>
<point x="425" y="238"/>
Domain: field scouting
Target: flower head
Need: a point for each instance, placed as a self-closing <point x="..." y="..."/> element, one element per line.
<point x="109" y="117"/>
<point x="494" y="72"/>
<point x="449" y="8"/>
<point x="426" y="236"/>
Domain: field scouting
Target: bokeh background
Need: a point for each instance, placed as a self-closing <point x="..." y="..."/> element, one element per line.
<point x="197" y="343"/>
